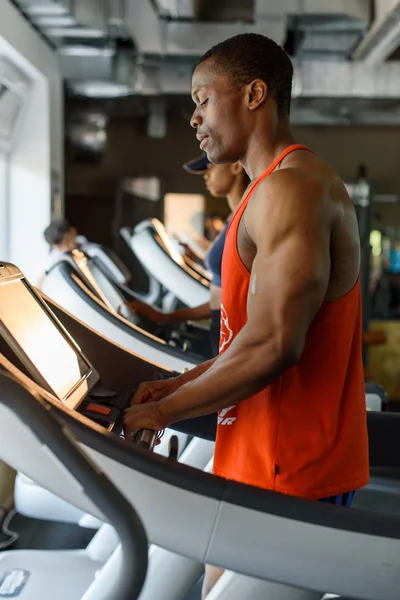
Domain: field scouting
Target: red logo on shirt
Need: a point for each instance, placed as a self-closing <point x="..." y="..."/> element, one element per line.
<point x="226" y="331"/>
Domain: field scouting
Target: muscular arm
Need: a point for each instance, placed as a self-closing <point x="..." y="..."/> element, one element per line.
<point x="196" y="371"/>
<point x="289" y="279"/>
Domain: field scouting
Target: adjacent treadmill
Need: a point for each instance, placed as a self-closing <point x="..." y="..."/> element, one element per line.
<point x="187" y="335"/>
<point x="118" y="272"/>
<point x="91" y="297"/>
<point x="262" y="535"/>
<point x="111" y="263"/>
<point x="158" y="255"/>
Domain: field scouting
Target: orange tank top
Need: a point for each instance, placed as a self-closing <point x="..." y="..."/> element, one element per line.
<point x="306" y="434"/>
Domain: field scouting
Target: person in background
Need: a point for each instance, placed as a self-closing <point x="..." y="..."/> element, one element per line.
<point x="61" y="237"/>
<point x="213" y="225"/>
<point x="222" y="181"/>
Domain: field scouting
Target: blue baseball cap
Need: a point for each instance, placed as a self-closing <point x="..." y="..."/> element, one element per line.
<point x="197" y="166"/>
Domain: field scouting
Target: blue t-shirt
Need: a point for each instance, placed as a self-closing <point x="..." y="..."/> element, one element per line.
<point x="213" y="258"/>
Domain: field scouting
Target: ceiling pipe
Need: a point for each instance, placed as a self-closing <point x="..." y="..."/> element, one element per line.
<point x="383" y="37"/>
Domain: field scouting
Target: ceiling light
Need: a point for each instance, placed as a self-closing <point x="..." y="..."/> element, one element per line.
<point x="101" y="89"/>
<point x="77" y="32"/>
<point x="80" y="50"/>
<point x="54" y="21"/>
<point x="45" y="9"/>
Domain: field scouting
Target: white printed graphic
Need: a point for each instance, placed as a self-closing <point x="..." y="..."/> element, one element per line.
<point x="226" y="331"/>
<point x="13" y="582"/>
<point x="223" y="419"/>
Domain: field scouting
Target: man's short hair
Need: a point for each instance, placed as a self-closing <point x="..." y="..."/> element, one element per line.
<point x="55" y="232"/>
<point x="250" y="56"/>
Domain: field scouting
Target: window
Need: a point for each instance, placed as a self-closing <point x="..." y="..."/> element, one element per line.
<point x="184" y="215"/>
<point x="10" y="108"/>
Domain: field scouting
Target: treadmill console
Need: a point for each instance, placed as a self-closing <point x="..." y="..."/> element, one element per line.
<point x="49" y="354"/>
<point x="98" y="282"/>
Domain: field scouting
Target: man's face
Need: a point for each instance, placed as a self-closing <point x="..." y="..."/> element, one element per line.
<point x="221" y="118"/>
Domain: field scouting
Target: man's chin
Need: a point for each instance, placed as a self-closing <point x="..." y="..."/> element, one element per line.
<point x="214" y="157"/>
<point x="219" y="158"/>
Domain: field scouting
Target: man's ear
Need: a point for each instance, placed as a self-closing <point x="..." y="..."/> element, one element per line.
<point x="256" y="94"/>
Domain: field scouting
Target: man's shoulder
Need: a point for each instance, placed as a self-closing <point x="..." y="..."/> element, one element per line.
<point x="292" y="188"/>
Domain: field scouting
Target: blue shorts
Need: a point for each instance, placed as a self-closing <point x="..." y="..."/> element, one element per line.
<point x="340" y="499"/>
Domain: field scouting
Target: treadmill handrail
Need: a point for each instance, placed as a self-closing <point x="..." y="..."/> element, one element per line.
<point x="45" y="423"/>
<point x="219" y="524"/>
<point x="374" y="388"/>
<point x="246" y="496"/>
<point x="110" y="262"/>
<point x="158" y="229"/>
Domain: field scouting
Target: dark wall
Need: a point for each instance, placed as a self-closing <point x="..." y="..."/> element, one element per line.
<point x="347" y="147"/>
<point x="130" y="152"/>
<point x="91" y="189"/>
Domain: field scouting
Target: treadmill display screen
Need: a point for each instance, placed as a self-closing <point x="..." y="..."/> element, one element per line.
<point x="41" y="346"/>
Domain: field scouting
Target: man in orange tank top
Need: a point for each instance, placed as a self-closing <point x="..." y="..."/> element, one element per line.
<point x="288" y="383"/>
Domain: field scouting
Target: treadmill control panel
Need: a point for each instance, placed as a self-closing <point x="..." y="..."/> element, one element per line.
<point x="106" y="416"/>
<point x="106" y="407"/>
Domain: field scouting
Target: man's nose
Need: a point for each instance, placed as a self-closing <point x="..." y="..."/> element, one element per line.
<point x="196" y="119"/>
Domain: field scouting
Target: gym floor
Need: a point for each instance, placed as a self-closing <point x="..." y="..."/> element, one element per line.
<point x="36" y="534"/>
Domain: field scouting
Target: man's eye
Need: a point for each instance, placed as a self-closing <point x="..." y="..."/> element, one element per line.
<point x="204" y="103"/>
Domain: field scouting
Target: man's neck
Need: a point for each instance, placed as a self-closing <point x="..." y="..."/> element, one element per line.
<point x="266" y="146"/>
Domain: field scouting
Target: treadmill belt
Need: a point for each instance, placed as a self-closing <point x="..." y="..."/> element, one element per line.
<point x="37" y="534"/>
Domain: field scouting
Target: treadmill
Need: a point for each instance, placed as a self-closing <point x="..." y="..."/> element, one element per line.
<point x="117" y="272"/>
<point x="157" y="254"/>
<point x="35" y="341"/>
<point x="90" y="296"/>
<point x="262" y="535"/>
<point x="184" y="335"/>
<point x="111" y="263"/>
<point x="101" y="400"/>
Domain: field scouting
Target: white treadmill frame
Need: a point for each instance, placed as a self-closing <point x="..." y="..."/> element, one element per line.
<point x="59" y="287"/>
<point x="173" y="273"/>
<point x="251" y="531"/>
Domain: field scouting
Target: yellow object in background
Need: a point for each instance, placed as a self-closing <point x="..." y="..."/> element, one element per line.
<point x="384" y="359"/>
